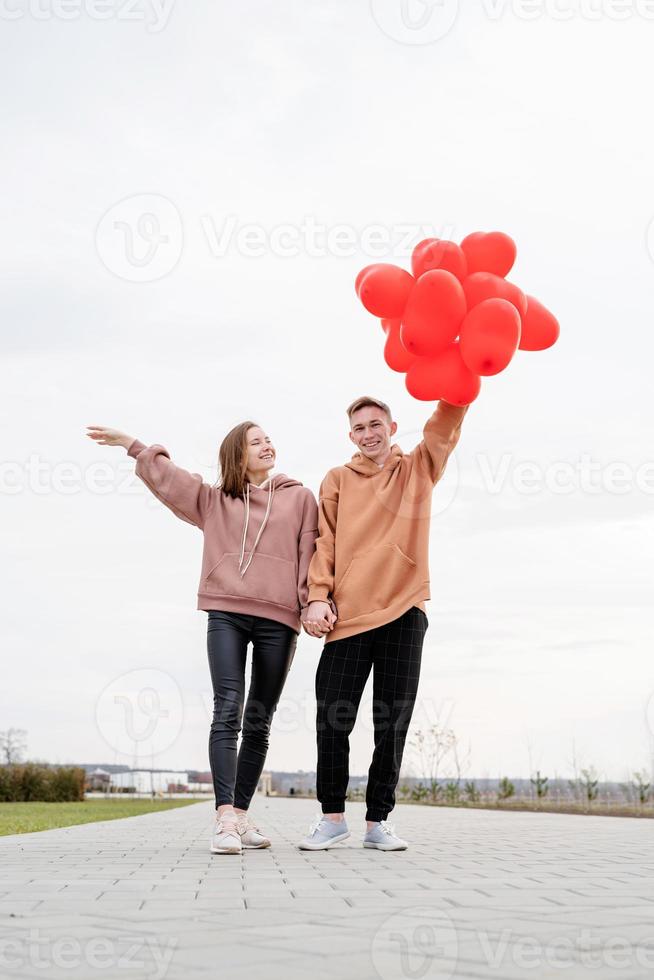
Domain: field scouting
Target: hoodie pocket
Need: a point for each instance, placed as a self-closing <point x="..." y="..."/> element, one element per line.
<point x="373" y="581"/>
<point x="268" y="579"/>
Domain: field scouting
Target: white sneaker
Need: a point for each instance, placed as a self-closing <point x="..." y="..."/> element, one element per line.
<point x="226" y="838"/>
<point x="324" y="833"/>
<point x="251" y="836"/>
<point x="383" y="837"/>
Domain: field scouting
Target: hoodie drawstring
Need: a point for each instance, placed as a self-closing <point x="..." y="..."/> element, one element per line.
<point x="246" y="497"/>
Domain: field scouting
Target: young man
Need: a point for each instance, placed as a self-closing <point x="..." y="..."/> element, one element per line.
<point x="371" y="563"/>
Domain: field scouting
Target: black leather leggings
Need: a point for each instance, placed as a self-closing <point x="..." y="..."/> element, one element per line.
<point x="235" y="777"/>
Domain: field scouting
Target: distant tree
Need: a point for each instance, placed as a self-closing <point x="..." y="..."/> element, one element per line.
<point x="419" y="793"/>
<point x="404" y="791"/>
<point x="590" y="784"/>
<point x="642" y="787"/>
<point x="574" y="784"/>
<point x="453" y="792"/>
<point x="432" y="747"/>
<point x="540" y="785"/>
<point x="440" y="756"/>
<point x="471" y="791"/>
<point x="435" y="790"/>
<point x="13" y="743"/>
<point x="506" y="789"/>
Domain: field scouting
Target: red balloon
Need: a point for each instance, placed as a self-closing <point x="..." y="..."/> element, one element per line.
<point x="540" y="328"/>
<point x="436" y="253"/>
<point x="422" y="381"/>
<point x="384" y="289"/>
<point x="489" y="252"/>
<point x="489" y="336"/>
<point x="359" y="278"/>
<point x="445" y="376"/>
<point x="391" y="324"/>
<point x="395" y="354"/>
<point x="433" y="314"/>
<point x="485" y="285"/>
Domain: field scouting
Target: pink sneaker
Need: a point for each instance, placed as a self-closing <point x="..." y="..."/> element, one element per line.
<point x="225" y="838"/>
<point x="251" y="836"/>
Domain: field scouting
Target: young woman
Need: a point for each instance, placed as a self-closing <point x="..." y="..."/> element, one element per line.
<point x="259" y="536"/>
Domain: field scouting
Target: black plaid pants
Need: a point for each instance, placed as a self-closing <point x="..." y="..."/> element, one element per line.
<point x="393" y="652"/>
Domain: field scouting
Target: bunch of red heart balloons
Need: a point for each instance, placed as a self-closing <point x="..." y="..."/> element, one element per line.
<point x="457" y="318"/>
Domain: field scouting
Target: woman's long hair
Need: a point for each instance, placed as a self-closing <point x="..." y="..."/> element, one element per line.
<point x="232" y="458"/>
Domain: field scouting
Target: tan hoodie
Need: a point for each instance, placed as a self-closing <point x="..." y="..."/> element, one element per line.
<point x="372" y="553"/>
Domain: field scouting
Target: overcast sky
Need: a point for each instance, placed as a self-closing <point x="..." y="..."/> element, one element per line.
<point x="278" y="150"/>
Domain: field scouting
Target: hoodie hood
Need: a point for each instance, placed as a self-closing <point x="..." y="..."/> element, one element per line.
<point x="280" y="481"/>
<point x="270" y="486"/>
<point x="367" y="467"/>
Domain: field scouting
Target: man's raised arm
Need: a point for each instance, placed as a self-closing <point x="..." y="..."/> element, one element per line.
<point x="440" y="436"/>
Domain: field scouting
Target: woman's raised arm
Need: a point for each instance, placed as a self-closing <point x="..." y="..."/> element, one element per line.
<point x="186" y="494"/>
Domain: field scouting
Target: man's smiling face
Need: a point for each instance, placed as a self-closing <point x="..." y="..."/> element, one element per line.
<point x="371" y="432"/>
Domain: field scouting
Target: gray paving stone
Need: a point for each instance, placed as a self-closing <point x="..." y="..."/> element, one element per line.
<point x="503" y="886"/>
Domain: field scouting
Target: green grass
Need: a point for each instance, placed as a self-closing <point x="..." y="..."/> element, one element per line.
<point x="26" y="818"/>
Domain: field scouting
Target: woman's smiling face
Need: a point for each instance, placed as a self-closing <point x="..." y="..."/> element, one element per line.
<point x="260" y="451"/>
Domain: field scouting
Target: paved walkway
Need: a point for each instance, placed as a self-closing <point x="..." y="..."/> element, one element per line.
<point x="479" y="894"/>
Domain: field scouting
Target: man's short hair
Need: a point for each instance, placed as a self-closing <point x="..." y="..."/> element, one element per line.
<point x="366" y="401"/>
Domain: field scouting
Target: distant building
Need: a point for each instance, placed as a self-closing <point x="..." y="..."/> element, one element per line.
<point x="150" y="781"/>
<point x="265" y="784"/>
<point x="98" y="780"/>
<point x="302" y="783"/>
<point x="200" y="782"/>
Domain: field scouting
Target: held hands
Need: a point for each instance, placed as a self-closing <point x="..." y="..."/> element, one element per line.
<point x="109" y="437"/>
<point x="319" y="619"/>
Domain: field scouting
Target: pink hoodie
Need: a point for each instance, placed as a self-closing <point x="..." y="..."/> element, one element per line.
<point x="257" y="548"/>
